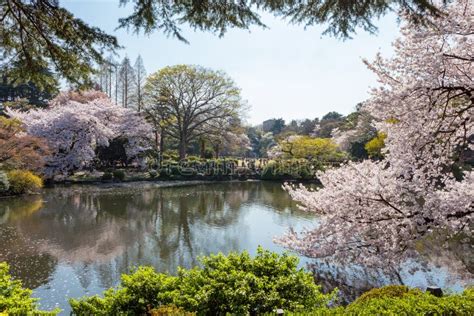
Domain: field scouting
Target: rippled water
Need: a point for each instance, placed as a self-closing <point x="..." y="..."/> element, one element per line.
<point x="72" y="241"/>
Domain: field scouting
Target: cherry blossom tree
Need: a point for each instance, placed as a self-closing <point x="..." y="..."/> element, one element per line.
<point x="373" y="212"/>
<point x="76" y="124"/>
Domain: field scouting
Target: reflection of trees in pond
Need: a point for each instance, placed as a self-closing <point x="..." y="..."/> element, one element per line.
<point x="455" y="253"/>
<point x="442" y="266"/>
<point x="16" y="208"/>
<point x="26" y="262"/>
<point x="103" y="232"/>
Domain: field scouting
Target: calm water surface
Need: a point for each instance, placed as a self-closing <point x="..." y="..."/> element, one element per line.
<point x="73" y="241"/>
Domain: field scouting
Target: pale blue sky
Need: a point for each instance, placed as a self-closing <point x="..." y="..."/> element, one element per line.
<point x="284" y="71"/>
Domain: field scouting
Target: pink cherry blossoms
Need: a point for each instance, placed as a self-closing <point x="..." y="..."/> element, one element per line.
<point x="74" y="130"/>
<point x="374" y="212"/>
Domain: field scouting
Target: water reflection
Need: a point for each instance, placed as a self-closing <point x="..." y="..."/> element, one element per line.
<point x="77" y="240"/>
<point x="86" y="237"/>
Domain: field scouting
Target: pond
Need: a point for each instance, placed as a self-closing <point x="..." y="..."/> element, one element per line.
<point x="77" y="240"/>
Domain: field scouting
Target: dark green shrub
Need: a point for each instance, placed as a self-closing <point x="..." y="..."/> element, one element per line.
<point x="305" y="173"/>
<point x="236" y="283"/>
<point x="119" y="175"/>
<point x="268" y="172"/>
<point x="175" y="170"/>
<point x="164" y="172"/>
<point x="153" y="173"/>
<point x="189" y="172"/>
<point x="14" y="299"/>
<point x="208" y="153"/>
<point x="113" y="153"/>
<point x="107" y="176"/>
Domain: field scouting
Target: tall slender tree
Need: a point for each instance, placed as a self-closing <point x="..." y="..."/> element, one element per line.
<point x="126" y="82"/>
<point x="140" y="76"/>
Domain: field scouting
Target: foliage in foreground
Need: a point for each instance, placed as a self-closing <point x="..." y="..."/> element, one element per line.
<point x="239" y="285"/>
<point x="14" y="299"/>
<point x="401" y="300"/>
<point x="236" y="283"/>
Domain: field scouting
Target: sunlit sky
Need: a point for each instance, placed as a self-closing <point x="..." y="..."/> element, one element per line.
<point x="284" y="71"/>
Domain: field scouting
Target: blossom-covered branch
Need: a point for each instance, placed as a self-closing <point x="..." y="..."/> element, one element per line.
<point x="424" y="105"/>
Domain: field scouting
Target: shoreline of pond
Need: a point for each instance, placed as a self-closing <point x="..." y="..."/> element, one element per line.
<point x="175" y="181"/>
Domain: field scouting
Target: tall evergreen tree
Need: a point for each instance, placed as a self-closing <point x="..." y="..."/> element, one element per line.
<point x="140" y="76"/>
<point x="18" y="92"/>
<point x="126" y="82"/>
<point x="37" y="34"/>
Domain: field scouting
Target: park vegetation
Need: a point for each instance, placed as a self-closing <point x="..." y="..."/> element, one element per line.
<point x="236" y="284"/>
<point x="391" y="173"/>
<point x="40" y="35"/>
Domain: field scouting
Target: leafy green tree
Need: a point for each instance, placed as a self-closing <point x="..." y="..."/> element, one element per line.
<point x="307" y="126"/>
<point x="275" y="126"/>
<point x="327" y="124"/>
<point x="194" y="101"/>
<point x="375" y="145"/>
<point x="38" y="34"/>
<point x="16" y="91"/>
<point x="320" y="149"/>
<point x="236" y="284"/>
<point x="342" y="17"/>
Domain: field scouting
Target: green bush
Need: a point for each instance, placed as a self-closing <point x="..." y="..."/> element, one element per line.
<point x="153" y="173"/>
<point x="390" y="291"/>
<point x="107" y="176"/>
<point x="171" y="155"/>
<point x="170" y="310"/>
<point x="192" y="158"/>
<point x="4" y="183"/>
<point x="236" y="283"/>
<point x="119" y="175"/>
<point x="189" y="172"/>
<point x="164" y="172"/>
<point x="14" y="299"/>
<point x="174" y="170"/>
<point x="22" y="181"/>
<point x="399" y="301"/>
<point x="305" y="173"/>
<point x="268" y="172"/>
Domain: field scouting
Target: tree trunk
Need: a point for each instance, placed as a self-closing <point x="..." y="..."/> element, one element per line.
<point x="182" y="149"/>
<point x="162" y="140"/>
<point x="159" y="148"/>
<point x="116" y="85"/>
<point x="216" y="151"/>
<point x="202" y="148"/>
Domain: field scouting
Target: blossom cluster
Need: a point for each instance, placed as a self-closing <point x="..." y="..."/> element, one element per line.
<point x="74" y="129"/>
<point x="374" y="212"/>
